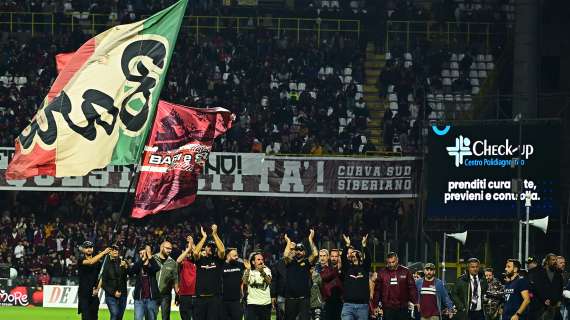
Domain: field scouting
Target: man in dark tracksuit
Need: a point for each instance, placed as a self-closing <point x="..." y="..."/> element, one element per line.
<point x="356" y="281"/>
<point x="394" y="289"/>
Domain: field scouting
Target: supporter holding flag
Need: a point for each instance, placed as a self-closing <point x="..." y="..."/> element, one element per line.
<point x="187" y="281"/>
<point x="88" y="291"/>
<point x="433" y="298"/>
<point x="517" y="296"/>
<point x="209" y="264"/>
<point x="114" y="282"/>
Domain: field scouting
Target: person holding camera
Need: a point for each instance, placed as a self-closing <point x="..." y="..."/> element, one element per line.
<point x="146" y="292"/>
<point x="114" y="283"/>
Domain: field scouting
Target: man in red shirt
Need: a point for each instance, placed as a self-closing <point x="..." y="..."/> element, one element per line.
<point x="331" y="288"/>
<point x="394" y="289"/>
<point x="187" y="281"/>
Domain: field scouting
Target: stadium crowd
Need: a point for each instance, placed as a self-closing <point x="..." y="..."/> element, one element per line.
<point x="289" y="97"/>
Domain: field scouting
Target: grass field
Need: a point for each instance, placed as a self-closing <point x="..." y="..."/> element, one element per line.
<point x="36" y="313"/>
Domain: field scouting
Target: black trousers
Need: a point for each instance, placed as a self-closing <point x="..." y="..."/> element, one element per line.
<point x="476" y="315"/>
<point x="333" y="309"/>
<point x="88" y="307"/>
<point x="258" y="312"/>
<point x="396" y="314"/>
<point x="164" y="303"/>
<point x="207" y="308"/>
<point x="297" y="308"/>
<point x="232" y="310"/>
<point x="186" y="307"/>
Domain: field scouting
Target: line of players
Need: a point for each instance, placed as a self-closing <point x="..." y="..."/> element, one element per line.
<point x="211" y="282"/>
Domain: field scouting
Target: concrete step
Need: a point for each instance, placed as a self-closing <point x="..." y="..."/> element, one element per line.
<point x="371" y="81"/>
<point x="369" y="88"/>
<point x="373" y="72"/>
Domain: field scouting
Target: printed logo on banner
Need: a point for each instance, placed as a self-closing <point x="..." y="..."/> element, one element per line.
<point x="440" y="132"/>
<point x="460" y="150"/>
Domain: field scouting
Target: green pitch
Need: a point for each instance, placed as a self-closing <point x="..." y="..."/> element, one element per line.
<point x="37" y="313"/>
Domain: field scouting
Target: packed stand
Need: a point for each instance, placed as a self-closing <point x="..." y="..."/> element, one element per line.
<point x="41" y="232"/>
<point x="430" y="83"/>
<point x="306" y="269"/>
<point x="288" y="97"/>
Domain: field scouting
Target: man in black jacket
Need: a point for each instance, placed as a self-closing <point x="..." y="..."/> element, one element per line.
<point x="278" y="283"/>
<point x="114" y="283"/>
<point x="546" y="286"/>
<point x="88" y="292"/>
<point x="146" y="291"/>
<point x="355" y="268"/>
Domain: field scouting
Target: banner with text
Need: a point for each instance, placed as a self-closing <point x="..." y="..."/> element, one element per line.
<point x="474" y="167"/>
<point x="254" y="174"/>
<point x="55" y="296"/>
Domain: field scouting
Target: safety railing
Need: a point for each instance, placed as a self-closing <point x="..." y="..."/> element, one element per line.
<point x="452" y="33"/>
<point x="293" y="28"/>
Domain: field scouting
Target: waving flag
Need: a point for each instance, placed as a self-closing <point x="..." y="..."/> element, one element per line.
<point x="178" y="148"/>
<point x="100" y="108"/>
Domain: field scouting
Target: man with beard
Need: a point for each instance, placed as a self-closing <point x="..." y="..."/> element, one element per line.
<point x="257" y="278"/>
<point x="433" y="298"/>
<point x="517" y="297"/>
<point x="493" y="298"/>
<point x="231" y="286"/>
<point x="145" y="294"/>
<point x="356" y="285"/>
<point x="547" y="289"/>
<point x="208" y="276"/>
<point x="167" y="277"/>
<point x="331" y="289"/>
<point x="298" y="278"/>
<point x="467" y="294"/>
<point x="88" y="292"/>
<point x="394" y="290"/>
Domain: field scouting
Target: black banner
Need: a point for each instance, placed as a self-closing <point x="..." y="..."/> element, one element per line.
<point x="473" y="169"/>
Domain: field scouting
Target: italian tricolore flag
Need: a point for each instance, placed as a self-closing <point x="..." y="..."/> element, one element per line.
<point x="102" y="104"/>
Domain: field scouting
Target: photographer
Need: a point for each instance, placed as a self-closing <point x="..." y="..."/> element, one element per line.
<point x="114" y="283"/>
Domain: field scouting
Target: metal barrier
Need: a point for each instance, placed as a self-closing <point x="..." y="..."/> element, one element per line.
<point x="35" y="22"/>
<point x="450" y="32"/>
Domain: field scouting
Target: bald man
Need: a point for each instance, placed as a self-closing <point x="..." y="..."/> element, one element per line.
<point x="167" y="277"/>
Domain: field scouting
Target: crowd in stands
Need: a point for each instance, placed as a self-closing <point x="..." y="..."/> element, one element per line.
<point x="41" y="232"/>
<point x="288" y="96"/>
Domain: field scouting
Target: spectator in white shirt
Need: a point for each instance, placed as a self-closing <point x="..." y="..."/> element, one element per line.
<point x="257" y="278"/>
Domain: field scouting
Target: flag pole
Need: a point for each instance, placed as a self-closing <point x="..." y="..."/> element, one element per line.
<point x="123" y="205"/>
